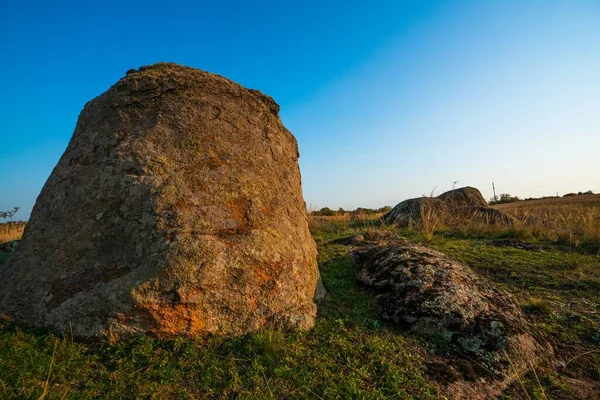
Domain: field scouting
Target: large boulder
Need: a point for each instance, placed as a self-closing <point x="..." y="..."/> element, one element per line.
<point x="409" y="211"/>
<point x="176" y="209"/>
<point x="461" y="315"/>
<point x="464" y="197"/>
<point x="455" y="207"/>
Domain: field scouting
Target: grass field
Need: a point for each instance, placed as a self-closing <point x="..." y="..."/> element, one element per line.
<point x="573" y="220"/>
<point x="11" y="231"/>
<point x="349" y="354"/>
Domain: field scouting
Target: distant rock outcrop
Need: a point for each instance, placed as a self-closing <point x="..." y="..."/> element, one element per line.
<point x="466" y="197"/>
<point x="176" y="209"/>
<point x="409" y="211"/>
<point x="462" y="315"/>
<point x="454" y="207"/>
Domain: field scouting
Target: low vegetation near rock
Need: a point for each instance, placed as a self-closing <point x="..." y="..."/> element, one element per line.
<point x="351" y="352"/>
<point x="447" y="305"/>
<point x="11" y="231"/>
<point x="9" y="247"/>
<point x="573" y="221"/>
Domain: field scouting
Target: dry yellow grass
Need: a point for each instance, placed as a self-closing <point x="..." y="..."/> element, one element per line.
<point x="592" y="200"/>
<point x="346" y="222"/>
<point x="11" y="231"/>
<point x="574" y="220"/>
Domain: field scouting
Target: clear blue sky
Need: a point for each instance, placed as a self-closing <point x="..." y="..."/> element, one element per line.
<point x="388" y="99"/>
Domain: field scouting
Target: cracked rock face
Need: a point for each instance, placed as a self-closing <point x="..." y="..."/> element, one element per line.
<point x="176" y="209"/>
<point x="459" y="313"/>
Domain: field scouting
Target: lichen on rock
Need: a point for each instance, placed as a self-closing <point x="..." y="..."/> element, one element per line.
<point x="453" y="310"/>
<point x="176" y="209"/>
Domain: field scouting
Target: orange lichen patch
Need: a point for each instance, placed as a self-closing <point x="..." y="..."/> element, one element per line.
<point x="252" y="303"/>
<point x="196" y="324"/>
<point x="238" y="212"/>
<point x="239" y="209"/>
<point x="210" y="138"/>
<point x="263" y="277"/>
<point x="172" y="319"/>
<point x="266" y="277"/>
<point x="184" y="204"/>
<point x="267" y="211"/>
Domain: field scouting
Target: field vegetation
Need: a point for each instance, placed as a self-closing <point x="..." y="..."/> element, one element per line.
<point x="549" y="259"/>
<point x="573" y="221"/>
<point x="11" y="231"/>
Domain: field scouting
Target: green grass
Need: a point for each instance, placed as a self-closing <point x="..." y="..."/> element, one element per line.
<point x="558" y="289"/>
<point x="335" y="360"/>
<point x="349" y="353"/>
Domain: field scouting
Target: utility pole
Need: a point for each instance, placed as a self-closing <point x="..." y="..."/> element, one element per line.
<point x="494" y="189"/>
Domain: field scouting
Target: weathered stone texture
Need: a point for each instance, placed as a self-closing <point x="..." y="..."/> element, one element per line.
<point x="408" y="212"/>
<point x="461" y="314"/>
<point x="453" y="208"/>
<point x="176" y="209"/>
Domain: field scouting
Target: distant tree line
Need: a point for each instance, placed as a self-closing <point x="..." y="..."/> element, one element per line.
<point x="507" y="198"/>
<point x="578" y="193"/>
<point x="504" y="198"/>
<point x="9" y="214"/>
<point x="328" y="212"/>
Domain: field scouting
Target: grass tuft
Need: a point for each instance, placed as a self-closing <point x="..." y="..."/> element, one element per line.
<point x="11" y="231"/>
<point x="537" y="306"/>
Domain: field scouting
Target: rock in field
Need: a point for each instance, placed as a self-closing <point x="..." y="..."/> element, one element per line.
<point x="455" y="207"/>
<point x="464" y="197"/>
<point x="408" y="212"/>
<point x="176" y="209"/>
<point x="460" y="314"/>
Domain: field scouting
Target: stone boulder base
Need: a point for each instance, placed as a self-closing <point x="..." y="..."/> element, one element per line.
<point x="9" y="247"/>
<point x="176" y="209"/>
<point x="456" y="207"/>
<point x="461" y="315"/>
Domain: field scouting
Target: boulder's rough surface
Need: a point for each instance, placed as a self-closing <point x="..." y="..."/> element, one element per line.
<point x="464" y="197"/>
<point x="455" y="207"/>
<point x="461" y="314"/>
<point x="409" y="211"/>
<point x="176" y="209"/>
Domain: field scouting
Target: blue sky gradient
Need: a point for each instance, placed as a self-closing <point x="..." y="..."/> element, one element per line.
<point x="387" y="99"/>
